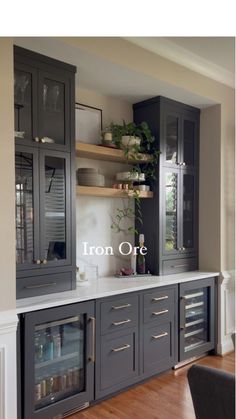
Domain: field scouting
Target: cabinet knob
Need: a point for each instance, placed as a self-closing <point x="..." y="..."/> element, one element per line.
<point x="42" y="140"/>
<point x="44" y="261"/>
<point x="36" y="139"/>
<point x="183" y="164"/>
<point x="37" y="261"/>
<point x="183" y="248"/>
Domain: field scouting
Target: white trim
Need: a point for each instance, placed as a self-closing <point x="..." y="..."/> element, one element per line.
<point x="8" y="351"/>
<point x="185" y="57"/>
<point x="2" y="382"/>
<point x="226" y="346"/>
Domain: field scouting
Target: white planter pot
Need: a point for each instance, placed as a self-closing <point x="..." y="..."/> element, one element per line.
<point x="130" y="140"/>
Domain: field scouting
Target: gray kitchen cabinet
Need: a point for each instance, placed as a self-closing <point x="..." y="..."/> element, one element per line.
<point x="159" y="333"/>
<point x="170" y="221"/>
<point x="117" y="336"/>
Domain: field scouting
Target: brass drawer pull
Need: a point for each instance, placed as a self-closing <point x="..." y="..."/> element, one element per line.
<point x="122" y="348"/>
<point x="160" y="298"/>
<point x="160" y="336"/>
<point x="122" y="322"/>
<point x="29" y="287"/>
<point x="120" y="307"/>
<point x="157" y="313"/>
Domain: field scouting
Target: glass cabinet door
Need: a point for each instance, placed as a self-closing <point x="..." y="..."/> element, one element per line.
<point x="171" y="212"/>
<point x="188" y="211"/>
<point x="26" y="179"/>
<point x="172" y="138"/>
<point x="55" y="216"/>
<point x="59" y="353"/>
<point x="54" y="114"/>
<point x="24" y="103"/>
<point x="196" y="317"/>
<point x="189" y="146"/>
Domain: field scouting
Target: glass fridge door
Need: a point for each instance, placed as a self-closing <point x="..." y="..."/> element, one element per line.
<point x="171" y="215"/>
<point x="59" y="355"/>
<point x="196" y="318"/>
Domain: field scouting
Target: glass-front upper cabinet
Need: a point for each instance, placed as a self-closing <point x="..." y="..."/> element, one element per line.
<point x="188" y="211"/>
<point x="189" y="142"/>
<point x="25" y="103"/>
<point x="26" y="210"/>
<point x="196" y="311"/>
<point x="54" y="114"/>
<point x="54" y="211"/>
<point x="59" y="359"/>
<point x="171" y="239"/>
<point x="172" y="139"/>
<point x="42" y="107"/>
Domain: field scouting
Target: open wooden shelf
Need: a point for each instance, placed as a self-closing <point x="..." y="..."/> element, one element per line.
<point x="97" y="152"/>
<point x="109" y="192"/>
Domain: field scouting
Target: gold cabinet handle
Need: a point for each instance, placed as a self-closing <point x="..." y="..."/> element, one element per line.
<point x="120" y="307"/>
<point x="122" y="322"/>
<point x="122" y="348"/>
<point x="37" y="261"/>
<point x="160" y="336"/>
<point x="44" y="261"/>
<point x="160" y="298"/>
<point x="36" y="139"/>
<point x="47" y="140"/>
<point x="158" y="313"/>
<point x="93" y="320"/>
<point x="179" y="266"/>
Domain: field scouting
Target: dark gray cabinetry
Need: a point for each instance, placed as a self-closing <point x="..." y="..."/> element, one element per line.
<point x="45" y="184"/>
<point x="158" y="331"/>
<point x="58" y="360"/>
<point x="172" y="236"/>
<point x="118" y="343"/>
<point x="197" y="314"/>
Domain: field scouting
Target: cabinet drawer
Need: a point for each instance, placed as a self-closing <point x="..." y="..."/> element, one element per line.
<point x="179" y="265"/>
<point x="158" y="347"/>
<point x="118" y="360"/>
<point x="43" y="284"/>
<point x="158" y="306"/>
<point x="119" y="314"/>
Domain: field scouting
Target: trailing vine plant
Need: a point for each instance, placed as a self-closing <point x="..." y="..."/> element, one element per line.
<point x="148" y="167"/>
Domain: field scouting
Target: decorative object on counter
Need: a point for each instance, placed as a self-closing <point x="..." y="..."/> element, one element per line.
<point x="88" y="124"/>
<point x="141" y="266"/>
<point x="125" y="272"/>
<point x="80" y="277"/>
<point x="90" y="177"/>
<point x="91" y="272"/>
<point x="134" y="262"/>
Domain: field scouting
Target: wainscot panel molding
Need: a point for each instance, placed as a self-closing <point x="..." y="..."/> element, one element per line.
<point x="8" y="327"/>
<point x="226" y="312"/>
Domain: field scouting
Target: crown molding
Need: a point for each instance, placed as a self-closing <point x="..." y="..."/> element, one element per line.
<point x="184" y="57"/>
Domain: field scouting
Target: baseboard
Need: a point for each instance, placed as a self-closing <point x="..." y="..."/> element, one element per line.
<point x="226" y="346"/>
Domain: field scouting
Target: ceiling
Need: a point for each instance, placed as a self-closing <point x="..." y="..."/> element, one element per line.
<point x="106" y="77"/>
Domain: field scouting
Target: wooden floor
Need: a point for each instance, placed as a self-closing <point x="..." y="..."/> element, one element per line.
<point x="164" y="397"/>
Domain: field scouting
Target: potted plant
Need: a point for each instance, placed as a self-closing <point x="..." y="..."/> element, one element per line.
<point x="130" y="135"/>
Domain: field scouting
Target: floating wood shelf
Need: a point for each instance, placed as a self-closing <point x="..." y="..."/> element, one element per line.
<point x="98" y="152"/>
<point x="109" y="192"/>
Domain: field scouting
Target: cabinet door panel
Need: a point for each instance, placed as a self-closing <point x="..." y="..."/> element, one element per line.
<point x="171" y="146"/>
<point x="54" y="115"/>
<point x="158" y="347"/>
<point x="55" y="217"/>
<point x="189" y="231"/>
<point x="190" y="141"/>
<point x="27" y="214"/>
<point x="196" y="318"/>
<point x="25" y="103"/>
<point x="171" y="213"/>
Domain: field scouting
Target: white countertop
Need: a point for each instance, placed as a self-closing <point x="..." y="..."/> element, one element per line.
<point x="105" y="287"/>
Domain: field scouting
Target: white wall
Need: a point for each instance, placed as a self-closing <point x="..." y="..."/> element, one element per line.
<point x="94" y="214"/>
<point x="7" y="178"/>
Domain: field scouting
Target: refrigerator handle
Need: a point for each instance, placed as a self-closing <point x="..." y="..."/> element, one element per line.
<point x="92" y="320"/>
